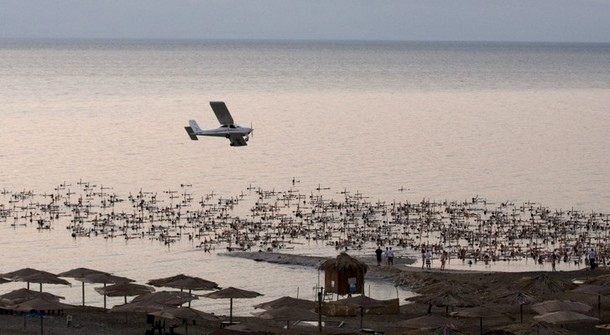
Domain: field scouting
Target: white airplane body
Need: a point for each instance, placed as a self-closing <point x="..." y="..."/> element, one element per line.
<point x="238" y="135"/>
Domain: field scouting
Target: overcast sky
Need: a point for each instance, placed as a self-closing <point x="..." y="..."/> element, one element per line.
<point x="452" y="20"/>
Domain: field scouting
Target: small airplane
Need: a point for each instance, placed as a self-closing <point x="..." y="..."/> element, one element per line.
<point x="236" y="134"/>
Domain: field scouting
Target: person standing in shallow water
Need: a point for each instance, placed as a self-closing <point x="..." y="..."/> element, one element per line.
<point x="444" y="257"/>
<point x="390" y="256"/>
<point x="428" y="258"/>
<point x="592" y="258"/>
<point x="378" y="255"/>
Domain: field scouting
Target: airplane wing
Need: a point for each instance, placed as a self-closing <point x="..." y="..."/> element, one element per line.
<point x="237" y="140"/>
<point x="222" y="113"/>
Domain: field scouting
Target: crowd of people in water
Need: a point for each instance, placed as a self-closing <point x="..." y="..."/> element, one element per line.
<point x="474" y="230"/>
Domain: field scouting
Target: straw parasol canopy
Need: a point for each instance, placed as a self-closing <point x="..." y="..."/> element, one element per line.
<point x="542" y="285"/>
<point x="288" y="314"/>
<point x="168" y="298"/>
<point x="124" y="290"/>
<point x="565" y="317"/>
<point x="155" y="301"/>
<point x="515" y="298"/>
<point x="79" y="273"/>
<point x="538" y="328"/>
<point x="288" y="302"/>
<point x="447" y="299"/>
<point x="480" y="312"/>
<point x="232" y="293"/>
<point x="560" y="305"/>
<point x="185" y="313"/>
<point x="594" y="289"/>
<point x="139" y="307"/>
<point x="23" y="294"/>
<point x="41" y="304"/>
<point x="184" y="282"/>
<point x="428" y="321"/>
<point x="30" y="275"/>
<point x="361" y="301"/>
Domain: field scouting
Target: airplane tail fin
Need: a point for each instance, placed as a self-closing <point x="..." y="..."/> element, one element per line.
<point x="193" y="129"/>
<point x="191" y="133"/>
<point x="193" y="124"/>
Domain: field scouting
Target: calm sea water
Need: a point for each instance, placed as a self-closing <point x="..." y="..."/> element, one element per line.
<point x="505" y="121"/>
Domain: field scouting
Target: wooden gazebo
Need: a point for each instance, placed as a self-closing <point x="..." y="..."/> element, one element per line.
<point x="344" y="275"/>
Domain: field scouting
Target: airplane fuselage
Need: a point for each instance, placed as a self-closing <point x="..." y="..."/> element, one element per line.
<point x="226" y="131"/>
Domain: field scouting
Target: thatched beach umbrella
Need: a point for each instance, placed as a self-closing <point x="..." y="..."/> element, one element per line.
<point x="184" y="282"/>
<point x="362" y="302"/>
<point x="168" y="298"/>
<point x="185" y="313"/>
<point x="288" y="314"/>
<point x="288" y="302"/>
<point x="40" y="305"/>
<point x="599" y="290"/>
<point x="155" y="301"/>
<point x="428" y="321"/>
<point x="480" y="312"/>
<point x="103" y="278"/>
<point x="560" y="305"/>
<point x="231" y="293"/>
<point x="124" y="290"/>
<point x="86" y="275"/>
<point x="447" y="299"/>
<point x="538" y="328"/>
<point x="542" y="285"/>
<point x="23" y="294"/>
<point x="515" y="298"/>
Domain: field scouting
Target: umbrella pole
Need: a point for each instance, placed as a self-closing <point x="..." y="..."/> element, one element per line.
<point x="320" y="309"/>
<point x="481" y="325"/>
<point x="104" y="296"/>
<point x="230" y="311"/>
<point x="521" y="309"/>
<point x="83" y="293"/>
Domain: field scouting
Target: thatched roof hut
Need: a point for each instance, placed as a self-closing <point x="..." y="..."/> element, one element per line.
<point x="344" y="275"/>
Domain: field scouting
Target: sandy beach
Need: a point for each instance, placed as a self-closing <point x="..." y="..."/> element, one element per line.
<point x="487" y="286"/>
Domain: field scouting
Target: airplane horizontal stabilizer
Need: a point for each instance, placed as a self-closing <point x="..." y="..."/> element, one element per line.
<point x="191" y="133"/>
